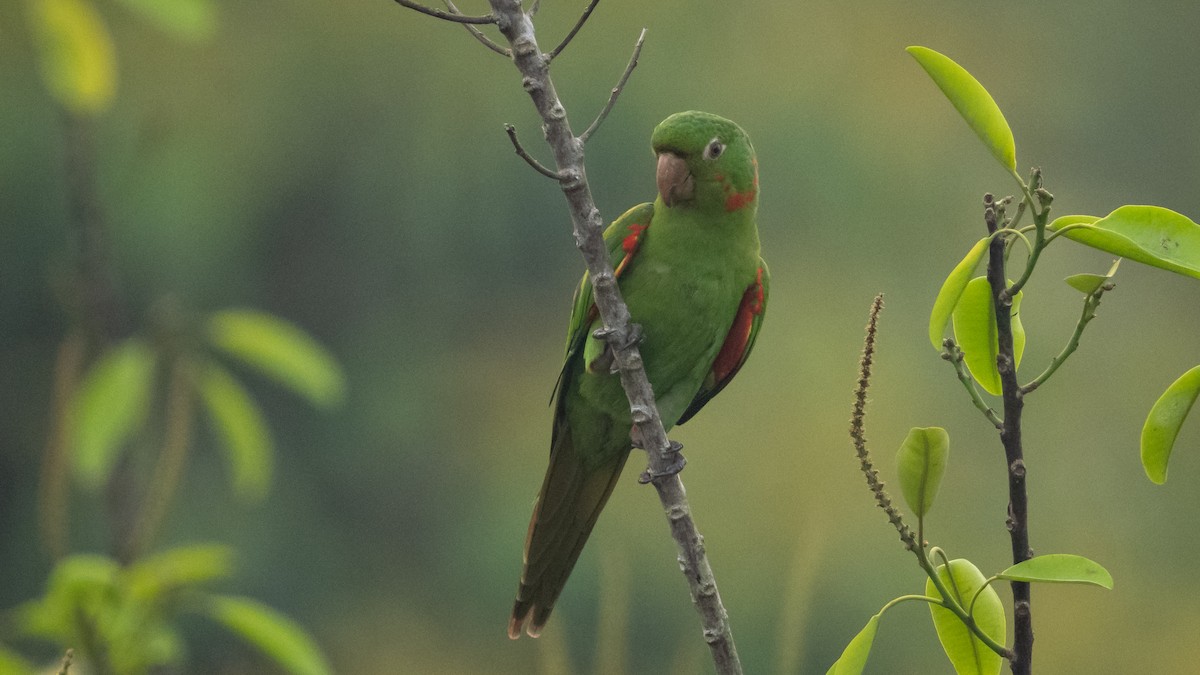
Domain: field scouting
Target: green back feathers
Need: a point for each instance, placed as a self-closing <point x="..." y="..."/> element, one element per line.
<point x="718" y="153"/>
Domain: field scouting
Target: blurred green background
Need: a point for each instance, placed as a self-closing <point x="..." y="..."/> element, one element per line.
<point x="343" y="165"/>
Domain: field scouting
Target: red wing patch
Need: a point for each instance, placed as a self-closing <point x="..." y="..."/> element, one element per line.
<point x="630" y="245"/>
<point x="730" y="356"/>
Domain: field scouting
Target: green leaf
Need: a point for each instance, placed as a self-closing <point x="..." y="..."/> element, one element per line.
<point x="240" y="423"/>
<point x="193" y="20"/>
<point x="275" y="634"/>
<point x="973" y="102"/>
<point x="921" y="462"/>
<point x="1150" y="235"/>
<point x="1090" y="283"/>
<point x="951" y="291"/>
<point x="110" y="406"/>
<point x="280" y="350"/>
<point x="966" y="652"/>
<point x="854" y="657"/>
<point x="1059" y="568"/>
<point x="77" y="60"/>
<point x="976" y="333"/>
<point x="79" y="583"/>
<point x="1163" y="423"/>
<point x="153" y="576"/>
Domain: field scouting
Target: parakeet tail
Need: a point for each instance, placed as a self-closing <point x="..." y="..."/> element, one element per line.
<point x="572" y="496"/>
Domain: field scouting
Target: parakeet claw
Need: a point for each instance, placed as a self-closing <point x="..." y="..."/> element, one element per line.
<point x="676" y="466"/>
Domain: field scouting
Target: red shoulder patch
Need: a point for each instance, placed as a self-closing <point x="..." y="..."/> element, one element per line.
<point x="630" y="245"/>
<point x="730" y="357"/>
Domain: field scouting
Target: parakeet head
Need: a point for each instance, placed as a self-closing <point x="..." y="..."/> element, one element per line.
<point x="705" y="162"/>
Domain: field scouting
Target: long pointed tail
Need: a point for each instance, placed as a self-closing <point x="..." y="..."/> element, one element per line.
<point x="573" y="493"/>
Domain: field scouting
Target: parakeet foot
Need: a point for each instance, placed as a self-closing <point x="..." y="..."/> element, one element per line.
<point x="676" y="466"/>
<point x="605" y="361"/>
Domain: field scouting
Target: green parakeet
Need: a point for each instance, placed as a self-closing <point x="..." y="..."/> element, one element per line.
<point x="688" y="266"/>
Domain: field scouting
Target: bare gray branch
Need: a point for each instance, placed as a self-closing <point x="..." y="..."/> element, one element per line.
<point x="478" y="35"/>
<point x="537" y="166"/>
<point x="574" y="29"/>
<point x="616" y="91"/>
<point x="447" y="16"/>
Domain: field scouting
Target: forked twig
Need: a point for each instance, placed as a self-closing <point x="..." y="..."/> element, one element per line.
<point x="447" y="16"/>
<point x="478" y="35"/>
<point x="575" y="29"/>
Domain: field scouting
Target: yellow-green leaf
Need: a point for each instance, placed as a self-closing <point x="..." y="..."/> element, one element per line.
<point x="274" y="634"/>
<point x="12" y="663"/>
<point x="1151" y="235"/>
<point x="977" y="335"/>
<point x="280" y="350"/>
<point x="951" y="291"/>
<point x="973" y="102"/>
<point x="151" y="577"/>
<point x="1163" y="423"/>
<point x="920" y="464"/>
<point x="1059" y="568"/>
<point x="109" y="407"/>
<point x="1090" y="283"/>
<point x="854" y="657"/>
<point x="76" y="54"/>
<point x="189" y="19"/>
<point x="241" y="426"/>
<point x="967" y="653"/>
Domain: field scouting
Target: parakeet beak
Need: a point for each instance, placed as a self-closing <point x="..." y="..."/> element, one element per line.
<point x="675" y="182"/>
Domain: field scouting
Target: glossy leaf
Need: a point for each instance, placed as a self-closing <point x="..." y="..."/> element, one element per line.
<point x="280" y="350"/>
<point x="973" y="102"/>
<point x="274" y="634"/>
<point x="153" y="576"/>
<point x="854" y="657"/>
<point x="1059" y="568"/>
<point x="1090" y="283"/>
<point x="189" y="19"/>
<point x="921" y="463"/>
<point x="241" y="426"/>
<point x="976" y="333"/>
<point x="1151" y="235"/>
<point x="77" y="57"/>
<point x="966" y="652"/>
<point x="1163" y="423"/>
<point x="109" y="407"/>
<point x="951" y="291"/>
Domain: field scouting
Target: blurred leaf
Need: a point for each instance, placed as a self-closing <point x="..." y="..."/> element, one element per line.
<point x="973" y="102"/>
<point x="965" y="651"/>
<point x="241" y="426"/>
<point x="921" y="463"/>
<point x="1059" y="568"/>
<point x="151" y="577"/>
<point x="854" y="657"/>
<point x="952" y="289"/>
<point x="281" y="350"/>
<point x="12" y="663"/>
<point x="1090" y="283"/>
<point x="976" y="333"/>
<point x="189" y="19"/>
<point x="275" y="634"/>
<point x="1163" y="423"/>
<point x="110" y="405"/>
<point x="77" y="59"/>
<point x="81" y="583"/>
<point x="1150" y="235"/>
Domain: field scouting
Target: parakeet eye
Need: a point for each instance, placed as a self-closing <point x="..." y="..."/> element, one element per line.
<point x="714" y="149"/>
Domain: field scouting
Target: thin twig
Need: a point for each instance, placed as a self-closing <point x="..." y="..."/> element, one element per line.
<point x="954" y="355"/>
<point x="1089" y="313"/>
<point x="447" y="16"/>
<point x="616" y="91"/>
<point x="478" y="35"/>
<point x="65" y="666"/>
<point x="537" y="4"/>
<point x="517" y="28"/>
<point x="537" y="166"/>
<point x="574" y="29"/>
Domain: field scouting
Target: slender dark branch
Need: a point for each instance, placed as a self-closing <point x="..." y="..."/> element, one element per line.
<point x="1010" y="437"/>
<point x="616" y="91"/>
<point x="587" y="12"/>
<point x="858" y="432"/>
<point x="447" y="16"/>
<point x="517" y="28"/>
<point x="537" y="166"/>
<point x="478" y="35"/>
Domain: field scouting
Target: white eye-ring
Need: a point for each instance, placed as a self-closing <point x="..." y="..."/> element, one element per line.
<point x="714" y="149"/>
